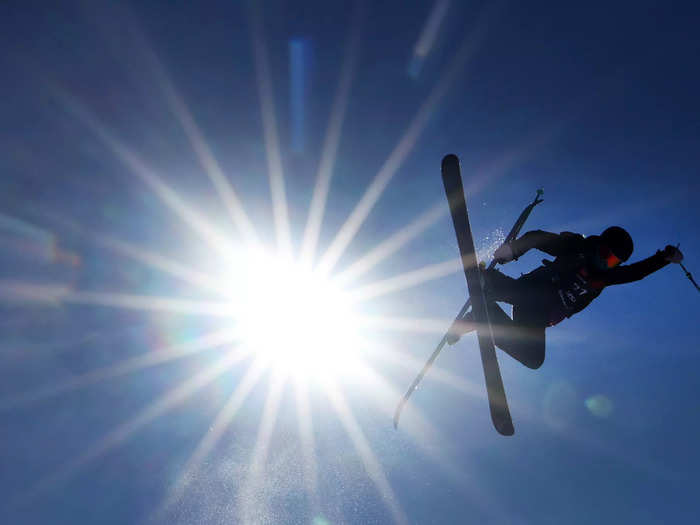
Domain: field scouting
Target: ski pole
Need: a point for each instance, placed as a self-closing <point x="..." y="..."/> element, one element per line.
<point x="690" y="276"/>
<point x="515" y="230"/>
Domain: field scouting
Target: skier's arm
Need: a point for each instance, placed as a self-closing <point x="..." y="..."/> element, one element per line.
<point x="636" y="271"/>
<point x="554" y="244"/>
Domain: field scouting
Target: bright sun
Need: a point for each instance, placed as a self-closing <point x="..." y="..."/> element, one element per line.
<point x="297" y="319"/>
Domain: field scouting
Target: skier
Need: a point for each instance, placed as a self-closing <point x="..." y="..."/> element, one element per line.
<point x="558" y="289"/>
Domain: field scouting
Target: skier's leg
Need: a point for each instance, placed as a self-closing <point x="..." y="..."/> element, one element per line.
<point x="522" y="338"/>
<point x="501" y="287"/>
<point x="463" y="326"/>
<point x="498" y="287"/>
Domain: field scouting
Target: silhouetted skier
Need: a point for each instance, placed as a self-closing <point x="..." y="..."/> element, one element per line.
<point x="558" y="289"/>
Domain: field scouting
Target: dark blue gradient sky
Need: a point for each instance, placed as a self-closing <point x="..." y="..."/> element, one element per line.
<point x="106" y="112"/>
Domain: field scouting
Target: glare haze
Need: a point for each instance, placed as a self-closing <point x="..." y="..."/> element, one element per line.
<point x="225" y="252"/>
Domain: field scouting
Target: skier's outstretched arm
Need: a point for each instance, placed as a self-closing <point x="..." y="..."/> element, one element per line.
<point x="639" y="270"/>
<point x="554" y="244"/>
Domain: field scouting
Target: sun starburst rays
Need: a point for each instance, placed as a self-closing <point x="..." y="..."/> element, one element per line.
<point x="233" y="305"/>
<point x="306" y="437"/>
<point x="124" y="431"/>
<point x="127" y="366"/>
<point x="332" y="141"/>
<point x="388" y="247"/>
<point x="407" y="280"/>
<point x="249" y="496"/>
<point x="274" y="159"/>
<point x="418" y="428"/>
<point x="213" y="170"/>
<point x="363" y="448"/>
<point x="213" y="436"/>
<point x="215" y="239"/>
<point x="376" y="188"/>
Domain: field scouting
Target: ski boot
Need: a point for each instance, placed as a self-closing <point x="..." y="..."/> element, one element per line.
<point x="460" y="327"/>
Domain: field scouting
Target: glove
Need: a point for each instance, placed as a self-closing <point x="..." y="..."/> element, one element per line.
<point x="504" y="254"/>
<point x="672" y="254"/>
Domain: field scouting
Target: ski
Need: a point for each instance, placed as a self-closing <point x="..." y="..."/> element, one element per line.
<point x="513" y="234"/>
<point x="452" y="180"/>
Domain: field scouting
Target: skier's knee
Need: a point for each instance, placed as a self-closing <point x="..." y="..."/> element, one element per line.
<point x="532" y="355"/>
<point x="533" y="348"/>
<point x="534" y="361"/>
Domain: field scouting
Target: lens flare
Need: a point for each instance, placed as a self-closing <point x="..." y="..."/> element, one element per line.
<point x="599" y="405"/>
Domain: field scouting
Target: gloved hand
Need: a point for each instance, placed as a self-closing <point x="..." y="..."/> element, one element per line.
<point x="672" y="254"/>
<point x="504" y="254"/>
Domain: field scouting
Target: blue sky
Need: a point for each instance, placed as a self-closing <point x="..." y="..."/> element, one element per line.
<point x="144" y="146"/>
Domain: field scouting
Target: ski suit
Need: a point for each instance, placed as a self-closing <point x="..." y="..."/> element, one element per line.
<point x="554" y="291"/>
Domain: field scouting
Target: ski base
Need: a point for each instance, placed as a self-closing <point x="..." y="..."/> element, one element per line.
<point x="452" y="180"/>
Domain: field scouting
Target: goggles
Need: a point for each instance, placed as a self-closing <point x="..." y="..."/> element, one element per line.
<point x="609" y="259"/>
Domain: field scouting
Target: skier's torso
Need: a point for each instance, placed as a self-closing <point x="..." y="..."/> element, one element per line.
<point x="570" y="286"/>
<point x="575" y="286"/>
<point x="567" y="285"/>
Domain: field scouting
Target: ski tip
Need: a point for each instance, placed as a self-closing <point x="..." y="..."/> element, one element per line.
<point x="450" y="160"/>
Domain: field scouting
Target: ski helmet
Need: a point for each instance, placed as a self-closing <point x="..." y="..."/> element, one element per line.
<point x="619" y="242"/>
